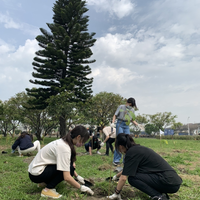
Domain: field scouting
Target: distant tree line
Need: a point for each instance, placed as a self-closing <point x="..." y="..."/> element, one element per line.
<point x="98" y="110"/>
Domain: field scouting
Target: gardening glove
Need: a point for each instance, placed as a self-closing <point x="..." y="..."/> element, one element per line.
<point x="80" y="179"/>
<point x="102" y="143"/>
<point x="112" y="125"/>
<point x="114" y="196"/>
<point x="86" y="189"/>
<point x="114" y="178"/>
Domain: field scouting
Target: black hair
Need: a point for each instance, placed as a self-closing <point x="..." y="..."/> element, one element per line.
<point x="125" y="140"/>
<point x="78" y="130"/>
<point x="100" y="128"/>
<point x="133" y="102"/>
<point x="23" y="134"/>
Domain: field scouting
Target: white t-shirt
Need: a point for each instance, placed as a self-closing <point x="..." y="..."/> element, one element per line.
<point x="56" y="152"/>
<point x="107" y="131"/>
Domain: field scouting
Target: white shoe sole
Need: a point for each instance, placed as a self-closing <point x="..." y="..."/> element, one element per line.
<point x="42" y="195"/>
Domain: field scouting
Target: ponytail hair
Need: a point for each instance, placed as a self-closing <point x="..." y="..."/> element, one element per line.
<point x="78" y="130"/>
<point x="23" y="134"/>
<point x="125" y="140"/>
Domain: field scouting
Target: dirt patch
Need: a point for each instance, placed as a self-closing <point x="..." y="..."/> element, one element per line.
<point x="194" y="165"/>
<point x="104" y="167"/>
<point x="190" y="165"/>
<point x="81" y="153"/>
<point x="194" y="178"/>
<point x="2" y="148"/>
<point x="182" y="169"/>
<point x="28" y="159"/>
<point x="100" y="194"/>
<point x="163" y="153"/>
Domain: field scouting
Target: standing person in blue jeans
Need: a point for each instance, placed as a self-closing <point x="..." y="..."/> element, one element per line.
<point x="124" y="115"/>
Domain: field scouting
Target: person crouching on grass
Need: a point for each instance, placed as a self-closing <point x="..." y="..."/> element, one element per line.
<point x="94" y="143"/>
<point x="145" y="170"/>
<point x="25" y="145"/>
<point x="55" y="163"/>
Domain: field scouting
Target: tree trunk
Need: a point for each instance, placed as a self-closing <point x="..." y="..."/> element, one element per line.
<point x="4" y="133"/>
<point x="63" y="127"/>
<point x="38" y="134"/>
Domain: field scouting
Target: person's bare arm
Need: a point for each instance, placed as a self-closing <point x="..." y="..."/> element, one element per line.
<point x="114" y="118"/>
<point x="75" y="174"/>
<point x="70" y="180"/>
<point x="121" y="182"/>
<point x="119" y="174"/>
<point x="106" y="133"/>
<point x="134" y="122"/>
<point x="107" y="137"/>
<point x="90" y="150"/>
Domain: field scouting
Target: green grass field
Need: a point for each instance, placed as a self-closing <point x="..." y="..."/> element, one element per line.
<point x="183" y="155"/>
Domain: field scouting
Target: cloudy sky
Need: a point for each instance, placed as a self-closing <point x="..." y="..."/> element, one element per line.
<point x="149" y="50"/>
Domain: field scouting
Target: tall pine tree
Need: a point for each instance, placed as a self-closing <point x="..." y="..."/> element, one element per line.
<point x="62" y="63"/>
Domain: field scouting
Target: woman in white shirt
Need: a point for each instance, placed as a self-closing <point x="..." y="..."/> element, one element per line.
<point x="54" y="163"/>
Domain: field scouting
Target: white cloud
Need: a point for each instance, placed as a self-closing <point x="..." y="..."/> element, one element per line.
<point x="16" y="67"/>
<point x="112" y="29"/>
<point x="5" y="48"/>
<point x="120" y="8"/>
<point x="113" y="78"/>
<point x="160" y="72"/>
<point x="128" y="50"/>
<point x="172" y="17"/>
<point x="9" y="23"/>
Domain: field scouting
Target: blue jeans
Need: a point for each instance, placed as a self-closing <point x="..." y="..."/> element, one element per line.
<point x="121" y="127"/>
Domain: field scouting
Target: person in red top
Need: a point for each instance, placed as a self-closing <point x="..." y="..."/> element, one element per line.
<point x="145" y="169"/>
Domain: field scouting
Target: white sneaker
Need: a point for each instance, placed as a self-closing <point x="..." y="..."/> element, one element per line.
<point x="98" y="152"/>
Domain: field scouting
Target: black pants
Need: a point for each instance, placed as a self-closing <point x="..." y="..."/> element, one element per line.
<point x="51" y="176"/>
<point x="151" y="184"/>
<point x="87" y="145"/>
<point x="109" y="145"/>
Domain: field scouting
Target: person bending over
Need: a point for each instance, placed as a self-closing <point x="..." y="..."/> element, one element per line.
<point x="24" y="144"/>
<point x="110" y="134"/>
<point x="145" y="170"/>
<point x="94" y="143"/>
<point x="55" y="163"/>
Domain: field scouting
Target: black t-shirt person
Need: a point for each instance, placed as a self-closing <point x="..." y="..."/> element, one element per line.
<point x="140" y="159"/>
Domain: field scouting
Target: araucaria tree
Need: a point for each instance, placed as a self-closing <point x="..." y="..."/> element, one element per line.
<point x="62" y="63"/>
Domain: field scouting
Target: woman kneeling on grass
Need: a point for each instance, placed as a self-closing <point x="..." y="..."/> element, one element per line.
<point x="145" y="169"/>
<point x="54" y="163"/>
